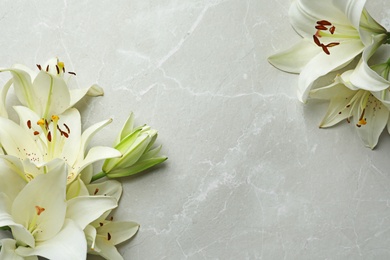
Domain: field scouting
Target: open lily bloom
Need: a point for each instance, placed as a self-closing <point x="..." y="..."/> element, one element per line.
<point x="43" y="223"/>
<point x="366" y="110"/>
<point x="37" y="141"/>
<point x="47" y="92"/>
<point x="331" y="35"/>
<point x="103" y="234"/>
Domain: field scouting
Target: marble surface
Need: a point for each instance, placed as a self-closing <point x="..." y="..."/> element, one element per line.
<point x="250" y="175"/>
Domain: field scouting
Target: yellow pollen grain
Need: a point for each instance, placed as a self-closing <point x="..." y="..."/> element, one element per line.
<point x="41" y="122"/>
<point x="60" y="65"/>
<point x="54" y="118"/>
<point x="362" y="122"/>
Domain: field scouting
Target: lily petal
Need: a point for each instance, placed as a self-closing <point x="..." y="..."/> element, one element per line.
<point x="110" y="188"/>
<point x="49" y="195"/>
<point x="69" y="243"/>
<point x="84" y="210"/>
<point x="52" y="94"/>
<point x="107" y="249"/>
<point x="363" y="76"/>
<point x="305" y="13"/>
<point x="76" y="188"/>
<point x="295" y="58"/>
<point x="323" y="64"/>
<point x="16" y="142"/>
<point x="8" y="247"/>
<point x="77" y="94"/>
<point x="119" y="231"/>
<point x="95" y="154"/>
<point x="376" y="117"/>
<point x="4" y="92"/>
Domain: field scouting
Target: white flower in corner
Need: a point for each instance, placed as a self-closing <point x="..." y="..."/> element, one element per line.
<point x="37" y="141"/>
<point x="45" y="92"/>
<point x="368" y="112"/>
<point x="334" y="32"/>
<point x="44" y="224"/>
<point x="104" y="234"/>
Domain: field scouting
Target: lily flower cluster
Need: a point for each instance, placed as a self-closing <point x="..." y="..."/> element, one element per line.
<point x="336" y="34"/>
<point x="51" y="204"/>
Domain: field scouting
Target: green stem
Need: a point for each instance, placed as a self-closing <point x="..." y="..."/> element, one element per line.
<point x="388" y="38"/>
<point x="98" y="176"/>
<point x="5" y="228"/>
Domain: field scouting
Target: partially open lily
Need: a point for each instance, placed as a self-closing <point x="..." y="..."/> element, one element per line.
<point x="38" y="141"/>
<point x="45" y="92"/>
<point x="43" y="223"/>
<point x="103" y="234"/>
<point x="366" y="110"/>
<point x="334" y="33"/>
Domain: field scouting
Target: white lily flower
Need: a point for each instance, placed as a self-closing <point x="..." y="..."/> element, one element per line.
<point x="44" y="224"/>
<point x="47" y="92"/>
<point x="102" y="235"/>
<point x="366" y="110"/>
<point x="36" y="142"/>
<point x="334" y="32"/>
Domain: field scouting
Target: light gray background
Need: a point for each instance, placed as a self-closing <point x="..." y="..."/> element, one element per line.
<point x="250" y="175"/>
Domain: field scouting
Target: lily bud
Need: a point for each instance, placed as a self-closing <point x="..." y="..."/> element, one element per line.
<point x="135" y="144"/>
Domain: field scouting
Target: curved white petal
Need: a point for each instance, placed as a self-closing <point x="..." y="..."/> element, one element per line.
<point x="376" y="116"/>
<point x="90" y="132"/>
<point x="352" y="9"/>
<point x="70" y="120"/>
<point x="26" y="114"/>
<point x="111" y="188"/>
<point x="369" y="27"/>
<point x="46" y="191"/>
<point x="16" y="141"/>
<point x="77" y="94"/>
<point x="4" y="92"/>
<point x="22" y="83"/>
<point x="119" y="231"/>
<point x="95" y="154"/>
<point x="84" y="210"/>
<point x="305" y="13"/>
<point x="363" y="76"/>
<point x="76" y="188"/>
<point x="52" y="94"/>
<point x="69" y="243"/>
<point x="107" y="249"/>
<point x="295" y="58"/>
<point x="5" y="211"/>
<point x="322" y="64"/>
<point x="86" y="174"/>
<point x="8" y="247"/>
<point x="90" y="235"/>
<point x="11" y="182"/>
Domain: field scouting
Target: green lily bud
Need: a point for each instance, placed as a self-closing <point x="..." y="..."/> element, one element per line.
<point x="135" y="144"/>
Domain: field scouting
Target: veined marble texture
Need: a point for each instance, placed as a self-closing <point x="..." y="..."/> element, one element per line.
<point x="249" y="175"/>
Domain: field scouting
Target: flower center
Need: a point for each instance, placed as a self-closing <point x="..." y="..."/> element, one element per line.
<point x="323" y="27"/>
<point x="33" y="226"/>
<point x="54" y="133"/>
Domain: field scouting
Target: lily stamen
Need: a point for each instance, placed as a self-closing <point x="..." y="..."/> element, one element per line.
<point x="323" y="26"/>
